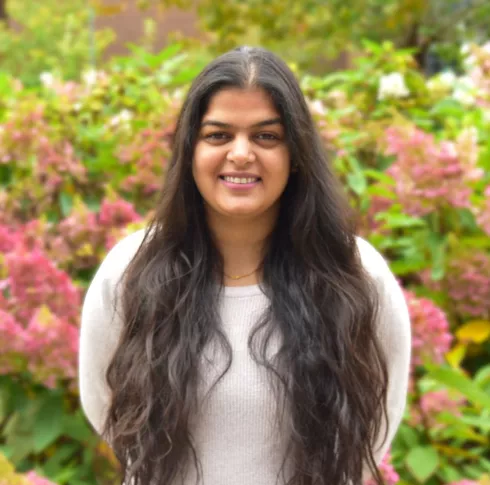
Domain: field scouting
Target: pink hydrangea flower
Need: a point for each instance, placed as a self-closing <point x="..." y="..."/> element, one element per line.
<point x="387" y="471"/>
<point x="8" y="239"/>
<point x="431" y="175"/>
<point x="79" y="239"/>
<point x="148" y="153"/>
<point x="483" y="214"/>
<point x="431" y="338"/>
<point x="34" y="479"/>
<point x="34" y="280"/>
<point x="433" y="403"/>
<point x="368" y="222"/>
<point x="467" y="283"/>
<point x="52" y="346"/>
<point x="117" y="213"/>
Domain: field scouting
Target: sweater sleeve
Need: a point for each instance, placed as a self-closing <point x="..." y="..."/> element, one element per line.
<point x="100" y="330"/>
<point x="395" y="338"/>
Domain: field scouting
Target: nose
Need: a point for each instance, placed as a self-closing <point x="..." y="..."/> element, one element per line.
<point x="240" y="151"/>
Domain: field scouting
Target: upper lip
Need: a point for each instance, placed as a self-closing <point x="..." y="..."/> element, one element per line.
<point x="245" y="175"/>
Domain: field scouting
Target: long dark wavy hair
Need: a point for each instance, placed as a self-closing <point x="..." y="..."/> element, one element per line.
<point x="330" y="371"/>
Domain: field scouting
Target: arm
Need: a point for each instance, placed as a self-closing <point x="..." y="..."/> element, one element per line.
<point x="395" y="338"/>
<point x="99" y="333"/>
<point x="100" y="329"/>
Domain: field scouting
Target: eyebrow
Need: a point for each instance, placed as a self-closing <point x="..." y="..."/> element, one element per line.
<point x="220" y="124"/>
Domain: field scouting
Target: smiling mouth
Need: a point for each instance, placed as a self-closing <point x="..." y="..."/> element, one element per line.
<point x="240" y="180"/>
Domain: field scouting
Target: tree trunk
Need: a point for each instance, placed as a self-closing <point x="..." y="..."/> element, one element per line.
<point x="3" y="11"/>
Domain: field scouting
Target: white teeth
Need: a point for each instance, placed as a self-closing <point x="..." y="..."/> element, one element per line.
<point x="237" y="180"/>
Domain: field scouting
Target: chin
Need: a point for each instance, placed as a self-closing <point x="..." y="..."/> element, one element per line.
<point x="242" y="212"/>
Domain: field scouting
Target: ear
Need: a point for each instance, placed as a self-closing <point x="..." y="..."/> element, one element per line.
<point x="294" y="167"/>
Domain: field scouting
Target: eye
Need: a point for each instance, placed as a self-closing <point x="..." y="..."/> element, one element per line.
<point x="216" y="136"/>
<point x="267" y="136"/>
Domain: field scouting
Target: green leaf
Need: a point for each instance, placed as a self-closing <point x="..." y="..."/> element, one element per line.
<point x="485" y="464"/>
<point x="6" y="175"/>
<point x="449" y="474"/>
<point x="167" y="53"/>
<point x="455" y="380"/>
<point x="438" y="247"/>
<point x="482" y="376"/>
<point x="481" y="422"/>
<point x="379" y="176"/>
<point x="357" y="182"/>
<point x="408" y="435"/>
<point x="65" y="475"/>
<point x="380" y="191"/>
<point x="403" y="267"/>
<point x="66" y="203"/>
<point x="398" y="221"/>
<point x="18" y="437"/>
<point x="55" y="464"/>
<point x="49" y="423"/>
<point x="75" y="427"/>
<point x="422" y="462"/>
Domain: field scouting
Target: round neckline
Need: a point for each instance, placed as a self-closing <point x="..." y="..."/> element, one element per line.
<point x="240" y="291"/>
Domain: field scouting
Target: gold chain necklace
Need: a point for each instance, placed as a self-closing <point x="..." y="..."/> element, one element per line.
<point x="242" y="276"/>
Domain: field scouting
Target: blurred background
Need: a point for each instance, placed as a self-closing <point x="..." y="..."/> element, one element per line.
<point x="89" y="92"/>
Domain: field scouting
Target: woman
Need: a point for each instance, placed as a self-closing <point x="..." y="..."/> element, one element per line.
<point x="247" y="336"/>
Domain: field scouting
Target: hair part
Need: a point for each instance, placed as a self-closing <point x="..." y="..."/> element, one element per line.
<point x="330" y="373"/>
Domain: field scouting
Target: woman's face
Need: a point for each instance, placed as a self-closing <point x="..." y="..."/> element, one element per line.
<point x="241" y="161"/>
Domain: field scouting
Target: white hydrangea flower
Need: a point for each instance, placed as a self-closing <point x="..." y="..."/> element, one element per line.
<point x="317" y="107"/>
<point x="448" y="78"/>
<point x="47" y="79"/>
<point x="465" y="48"/>
<point x="443" y="81"/>
<point x="392" y="86"/>
<point x="122" y="118"/>
<point x="125" y="115"/>
<point x="469" y="60"/>
<point x="179" y="94"/>
<point x="90" y="77"/>
<point x="466" y="82"/>
<point x="465" y="91"/>
<point x="464" y="96"/>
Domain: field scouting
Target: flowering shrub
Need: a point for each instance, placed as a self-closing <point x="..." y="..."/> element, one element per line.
<point x="80" y="166"/>
<point x="431" y="405"/>
<point x="431" y="338"/>
<point x="484" y="213"/>
<point x="431" y="177"/>
<point x="467" y="284"/>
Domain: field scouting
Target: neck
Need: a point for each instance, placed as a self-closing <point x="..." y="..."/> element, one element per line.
<point x="242" y="244"/>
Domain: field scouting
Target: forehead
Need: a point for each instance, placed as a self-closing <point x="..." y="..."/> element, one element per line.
<point x="240" y="104"/>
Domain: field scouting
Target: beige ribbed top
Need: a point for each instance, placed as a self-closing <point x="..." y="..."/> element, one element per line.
<point x="236" y="433"/>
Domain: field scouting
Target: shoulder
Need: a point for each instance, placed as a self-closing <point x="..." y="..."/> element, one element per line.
<point x="389" y="289"/>
<point x="118" y="258"/>
<point x="372" y="260"/>
<point x="394" y="318"/>
<point x="103" y="285"/>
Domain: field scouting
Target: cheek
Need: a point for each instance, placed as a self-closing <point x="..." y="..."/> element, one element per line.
<point x="280" y="167"/>
<point x="205" y="163"/>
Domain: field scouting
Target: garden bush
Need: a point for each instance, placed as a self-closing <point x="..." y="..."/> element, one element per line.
<point x="50" y="36"/>
<point x="80" y="166"/>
